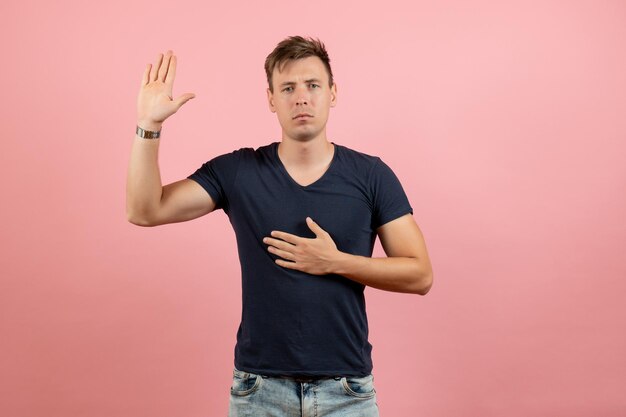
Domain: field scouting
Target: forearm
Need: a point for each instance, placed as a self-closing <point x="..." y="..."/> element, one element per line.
<point x="398" y="274"/>
<point x="143" y="186"/>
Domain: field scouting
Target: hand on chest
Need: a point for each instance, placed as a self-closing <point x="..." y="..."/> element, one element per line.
<point x="270" y="202"/>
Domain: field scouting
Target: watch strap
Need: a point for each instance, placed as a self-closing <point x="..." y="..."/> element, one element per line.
<point x="148" y="134"/>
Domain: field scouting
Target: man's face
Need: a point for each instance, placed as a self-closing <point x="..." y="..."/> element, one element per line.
<point x="302" y="89"/>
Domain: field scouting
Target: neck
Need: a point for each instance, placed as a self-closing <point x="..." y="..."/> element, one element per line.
<point x="305" y="153"/>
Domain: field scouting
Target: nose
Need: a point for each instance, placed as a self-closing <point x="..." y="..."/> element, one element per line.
<point x="303" y="97"/>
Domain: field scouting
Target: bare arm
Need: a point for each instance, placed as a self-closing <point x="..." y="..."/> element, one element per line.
<point x="406" y="269"/>
<point x="148" y="203"/>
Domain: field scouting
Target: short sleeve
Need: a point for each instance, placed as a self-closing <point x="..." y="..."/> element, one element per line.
<point x="218" y="175"/>
<point x="390" y="200"/>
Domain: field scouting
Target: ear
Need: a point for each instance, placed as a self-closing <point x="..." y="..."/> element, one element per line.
<point x="333" y="95"/>
<point x="270" y="101"/>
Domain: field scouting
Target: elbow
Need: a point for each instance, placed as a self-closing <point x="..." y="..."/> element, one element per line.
<point x="424" y="290"/>
<point x="139" y="220"/>
<point x="423" y="284"/>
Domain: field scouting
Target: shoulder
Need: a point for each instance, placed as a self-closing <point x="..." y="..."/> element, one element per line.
<point x="357" y="156"/>
<point x="245" y="153"/>
<point x="264" y="151"/>
<point x="356" y="160"/>
<point x="366" y="165"/>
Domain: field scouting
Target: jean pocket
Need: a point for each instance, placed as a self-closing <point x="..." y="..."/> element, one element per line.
<point x="360" y="387"/>
<point x="245" y="383"/>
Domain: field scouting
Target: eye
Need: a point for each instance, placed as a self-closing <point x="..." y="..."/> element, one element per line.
<point x="314" y="85"/>
<point x="287" y="88"/>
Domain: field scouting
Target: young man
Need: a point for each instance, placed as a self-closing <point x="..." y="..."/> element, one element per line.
<point x="306" y="212"/>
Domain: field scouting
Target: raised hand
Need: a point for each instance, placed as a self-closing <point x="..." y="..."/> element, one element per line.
<point x="155" y="102"/>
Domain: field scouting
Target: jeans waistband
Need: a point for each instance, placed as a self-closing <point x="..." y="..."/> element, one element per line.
<point x="306" y="379"/>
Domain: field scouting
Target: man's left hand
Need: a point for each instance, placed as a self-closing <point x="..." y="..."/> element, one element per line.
<point x="313" y="256"/>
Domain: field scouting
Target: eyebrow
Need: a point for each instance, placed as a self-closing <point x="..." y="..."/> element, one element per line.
<point x="310" y="80"/>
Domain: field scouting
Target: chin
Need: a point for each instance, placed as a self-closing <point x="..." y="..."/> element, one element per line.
<point x="304" y="136"/>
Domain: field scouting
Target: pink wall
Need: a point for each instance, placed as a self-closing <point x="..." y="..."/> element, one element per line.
<point x="504" y="121"/>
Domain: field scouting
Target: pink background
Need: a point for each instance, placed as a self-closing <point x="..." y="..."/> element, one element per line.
<point x="505" y="121"/>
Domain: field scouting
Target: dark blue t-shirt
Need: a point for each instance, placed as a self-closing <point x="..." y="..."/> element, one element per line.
<point x="294" y="323"/>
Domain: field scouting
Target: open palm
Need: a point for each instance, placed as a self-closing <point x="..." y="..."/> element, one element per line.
<point x="155" y="102"/>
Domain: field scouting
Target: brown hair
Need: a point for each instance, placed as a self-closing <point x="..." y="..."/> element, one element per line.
<point x="292" y="48"/>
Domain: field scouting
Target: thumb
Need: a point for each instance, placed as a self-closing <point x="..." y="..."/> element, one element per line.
<point x="315" y="228"/>
<point x="182" y="99"/>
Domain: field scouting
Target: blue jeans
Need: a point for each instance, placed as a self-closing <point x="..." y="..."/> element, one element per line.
<point x="253" y="395"/>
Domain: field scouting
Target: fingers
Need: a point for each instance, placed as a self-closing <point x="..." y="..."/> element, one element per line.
<point x="146" y="75"/>
<point x="281" y="253"/>
<point x="287" y="237"/>
<point x="165" y="65"/>
<point x="315" y="228"/>
<point x="160" y="70"/>
<point x="154" y="72"/>
<point x="288" y="264"/>
<point x="277" y="243"/>
<point x="280" y="248"/>
<point x="171" y="72"/>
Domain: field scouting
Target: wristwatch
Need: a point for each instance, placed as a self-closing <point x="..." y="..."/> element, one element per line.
<point x="147" y="134"/>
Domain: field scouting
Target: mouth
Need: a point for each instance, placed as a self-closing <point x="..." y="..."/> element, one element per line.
<point x="302" y="116"/>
